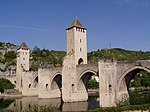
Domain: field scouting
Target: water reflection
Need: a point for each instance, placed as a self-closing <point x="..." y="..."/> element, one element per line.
<point x="21" y="104"/>
<point x="5" y="103"/>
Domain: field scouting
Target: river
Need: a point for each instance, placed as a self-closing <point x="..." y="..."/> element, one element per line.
<point x="21" y="104"/>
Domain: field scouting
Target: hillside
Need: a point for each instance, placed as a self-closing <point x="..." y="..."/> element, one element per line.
<point x="118" y="54"/>
<point x="47" y="58"/>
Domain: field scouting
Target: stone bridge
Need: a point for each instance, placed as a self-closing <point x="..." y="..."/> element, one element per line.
<point x="50" y="80"/>
<point x="70" y="81"/>
<point x="115" y="78"/>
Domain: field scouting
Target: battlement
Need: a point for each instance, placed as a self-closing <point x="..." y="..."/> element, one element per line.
<point x="107" y="61"/>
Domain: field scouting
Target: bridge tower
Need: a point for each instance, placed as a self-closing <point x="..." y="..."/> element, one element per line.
<point x="76" y="55"/>
<point x="77" y="42"/>
<point x="23" y="55"/>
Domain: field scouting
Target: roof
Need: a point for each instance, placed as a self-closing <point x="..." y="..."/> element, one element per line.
<point x="23" y="46"/>
<point x="76" y="23"/>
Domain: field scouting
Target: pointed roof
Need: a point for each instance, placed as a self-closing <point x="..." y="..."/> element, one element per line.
<point x="23" y="46"/>
<point x="76" y="23"/>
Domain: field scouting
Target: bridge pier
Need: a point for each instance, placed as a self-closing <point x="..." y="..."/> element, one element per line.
<point x="107" y="85"/>
<point x="45" y="89"/>
<point x="70" y="91"/>
<point x="28" y="86"/>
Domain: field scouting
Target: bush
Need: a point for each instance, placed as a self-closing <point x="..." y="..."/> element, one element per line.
<point x="93" y="84"/>
<point x="124" y="108"/>
<point x="139" y="98"/>
<point x="123" y="101"/>
<point x="5" y="84"/>
<point x="10" y="56"/>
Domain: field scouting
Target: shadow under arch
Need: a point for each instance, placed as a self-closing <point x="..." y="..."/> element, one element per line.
<point x="35" y="82"/>
<point x="128" y="75"/>
<point x="84" y="79"/>
<point x="56" y="82"/>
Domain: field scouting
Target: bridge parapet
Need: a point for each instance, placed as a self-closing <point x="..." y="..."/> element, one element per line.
<point x="107" y="60"/>
<point x="58" y="69"/>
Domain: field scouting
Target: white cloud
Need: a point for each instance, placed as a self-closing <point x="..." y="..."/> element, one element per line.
<point x="25" y="27"/>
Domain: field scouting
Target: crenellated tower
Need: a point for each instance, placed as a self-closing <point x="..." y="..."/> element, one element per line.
<point x="76" y="55"/>
<point x="23" y="55"/>
<point x="77" y="42"/>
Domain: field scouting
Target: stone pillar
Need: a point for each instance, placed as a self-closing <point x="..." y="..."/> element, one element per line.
<point x="70" y="93"/>
<point x="44" y="84"/>
<point x="107" y="79"/>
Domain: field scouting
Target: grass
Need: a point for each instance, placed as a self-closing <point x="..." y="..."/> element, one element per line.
<point x="124" y="108"/>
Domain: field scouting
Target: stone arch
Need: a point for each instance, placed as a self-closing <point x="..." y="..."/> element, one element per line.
<point x="84" y="78"/>
<point x="56" y="82"/>
<point x="127" y="76"/>
<point x="80" y="61"/>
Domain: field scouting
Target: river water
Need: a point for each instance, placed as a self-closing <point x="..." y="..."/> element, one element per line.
<point x="21" y="104"/>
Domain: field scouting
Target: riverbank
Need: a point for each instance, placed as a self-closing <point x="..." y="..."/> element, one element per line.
<point x="128" y="108"/>
<point x="11" y="94"/>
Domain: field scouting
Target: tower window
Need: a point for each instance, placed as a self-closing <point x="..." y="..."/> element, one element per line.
<point x="29" y="85"/>
<point x="110" y="88"/>
<point x="80" y="40"/>
<point x="46" y="86"/>
<point x="83" y="31"/>
<point x="80" y="49"/>
<point x="78" y="29"/>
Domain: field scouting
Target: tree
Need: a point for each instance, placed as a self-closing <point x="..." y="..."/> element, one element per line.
<point x="11" y="55"/>
<point x="5" y="84"/>
<point x="93" y="84"/>
<point x="136" y="83"/>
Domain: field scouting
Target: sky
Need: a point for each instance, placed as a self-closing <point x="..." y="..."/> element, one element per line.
<point x="110" y="23"/>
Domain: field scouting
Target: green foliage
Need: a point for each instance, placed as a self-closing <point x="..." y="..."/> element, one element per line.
<point x="56" y="57"/>
<point x="124" y="108"/>
<point x="139" y="97"/>
<point x="93" y="84"/>
<point x="10" y="56"/>
<point x="118" y="54"/>
<point x="5" y="84"/>
<point x="136" y="83"/>
<point x="51" y="57"/>
<point x="2" y="59"/>
<point x="141" y="80"/>
<point x="123" y="101"/>
<point x="1" y="44"/>
<point x="34" y="67"/>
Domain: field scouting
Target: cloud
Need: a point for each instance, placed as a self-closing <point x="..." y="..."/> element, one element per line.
<point x="136" y="3"/>
<point x="25" y="27"/>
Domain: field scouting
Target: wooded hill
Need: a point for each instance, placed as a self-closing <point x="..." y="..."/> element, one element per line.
<point x="55" y="58"/>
